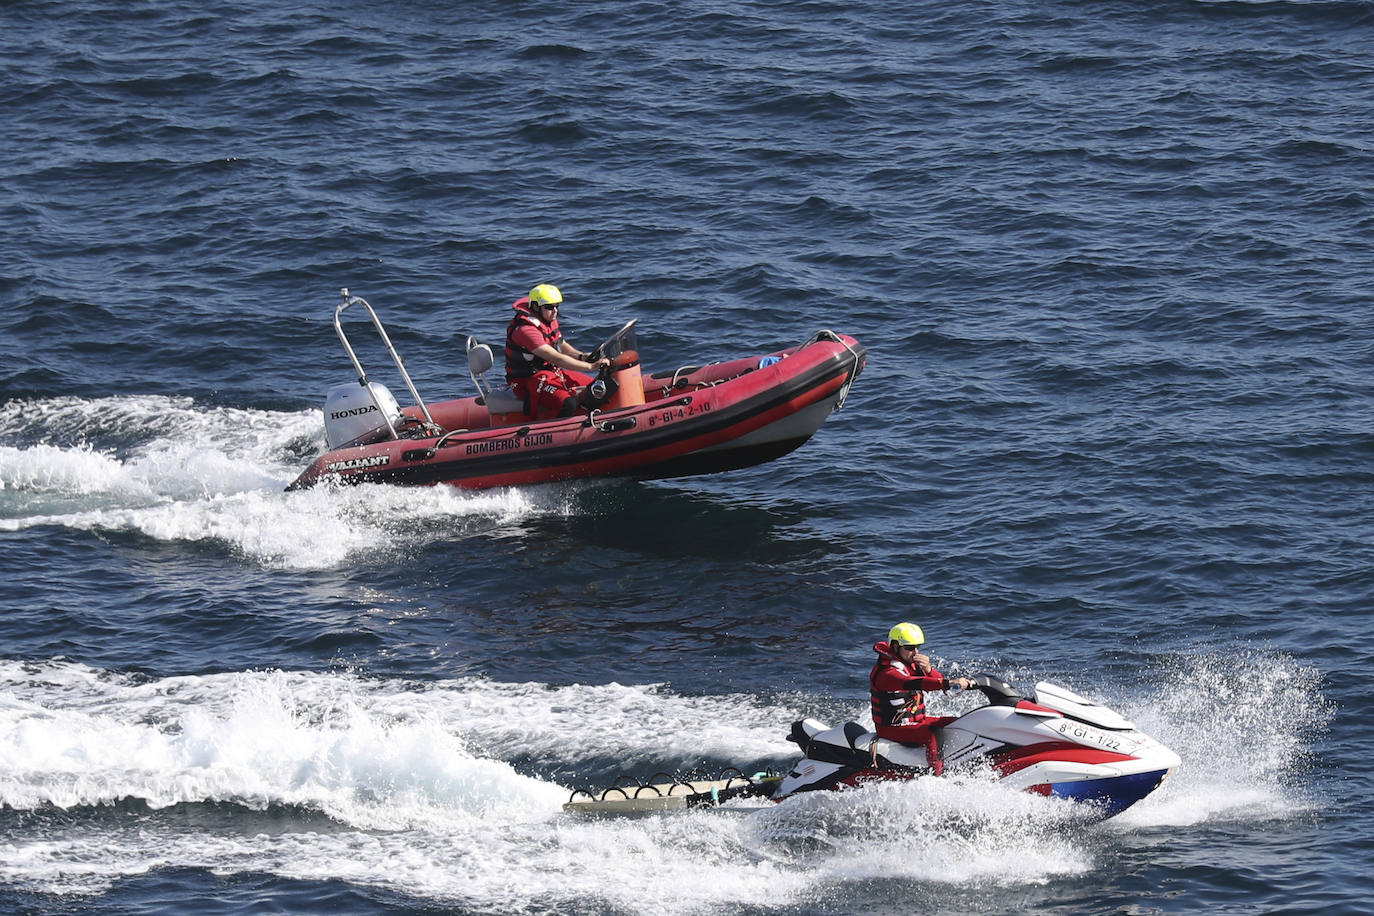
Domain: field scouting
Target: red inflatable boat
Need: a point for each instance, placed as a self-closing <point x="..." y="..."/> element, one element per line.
<point x="691" y="420"/>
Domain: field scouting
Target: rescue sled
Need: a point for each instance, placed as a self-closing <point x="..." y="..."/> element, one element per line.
<point x="675" y="423"/>
<point x="671" y="794"/>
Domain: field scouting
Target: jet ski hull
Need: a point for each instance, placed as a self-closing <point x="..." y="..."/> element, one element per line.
<point x="1058" y="744"/>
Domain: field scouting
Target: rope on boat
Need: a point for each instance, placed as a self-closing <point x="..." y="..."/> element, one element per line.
<point x="684" y="369"/>
<point x="827" y="334"/>
<point x="609" y="426"/>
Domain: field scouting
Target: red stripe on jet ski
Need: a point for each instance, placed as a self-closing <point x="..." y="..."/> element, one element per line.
<point x="1031" y="754"/>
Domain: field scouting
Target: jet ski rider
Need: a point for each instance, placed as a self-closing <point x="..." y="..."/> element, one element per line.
<point x="897" y="686"/>
<point x="542" y="367"/>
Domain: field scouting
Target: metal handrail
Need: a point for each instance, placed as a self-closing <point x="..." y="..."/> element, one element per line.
<point x="396" y="357"/>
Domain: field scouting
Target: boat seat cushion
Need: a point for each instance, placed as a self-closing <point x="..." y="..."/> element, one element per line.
<point x="503" y="400"/>
<point x="479" y="357"/>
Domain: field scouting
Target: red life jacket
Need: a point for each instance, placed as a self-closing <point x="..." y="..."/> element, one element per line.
<point x="522" y="363"/>
<point x="893" y="707"/>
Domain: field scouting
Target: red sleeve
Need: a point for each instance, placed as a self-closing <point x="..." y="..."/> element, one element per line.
<point x="894" y="678"/>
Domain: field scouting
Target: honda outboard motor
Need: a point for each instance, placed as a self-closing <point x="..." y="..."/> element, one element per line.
<point x="350" y="411"/>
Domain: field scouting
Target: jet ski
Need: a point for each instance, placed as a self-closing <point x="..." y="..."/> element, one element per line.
<point x="1053" y="743"/>
<point x="697" y="419"/>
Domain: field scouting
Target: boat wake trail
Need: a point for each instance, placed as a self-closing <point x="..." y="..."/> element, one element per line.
<point x="432" y="789"/>
<point x="166" y="469"/>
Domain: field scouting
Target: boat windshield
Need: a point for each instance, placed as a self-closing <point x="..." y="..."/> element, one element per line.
<point x="622" y="341"/>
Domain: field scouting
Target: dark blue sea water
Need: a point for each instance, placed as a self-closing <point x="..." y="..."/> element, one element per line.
<point x="1112" y="263"/>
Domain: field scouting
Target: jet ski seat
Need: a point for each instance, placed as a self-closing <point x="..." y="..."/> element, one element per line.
<point x="851" y="743"/>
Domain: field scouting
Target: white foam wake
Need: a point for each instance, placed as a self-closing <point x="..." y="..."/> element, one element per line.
<point x="165" y="469"/>
<point x="414" y="777"/>
<point x="372" y="755"/>
<point x="416" y="780"/>
<point x="1245" y="723"/>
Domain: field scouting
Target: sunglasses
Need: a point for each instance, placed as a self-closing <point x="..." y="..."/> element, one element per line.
<point x="550" y="307"/>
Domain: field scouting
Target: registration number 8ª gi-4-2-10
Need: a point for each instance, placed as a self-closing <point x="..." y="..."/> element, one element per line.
<point x="678" y="413"/>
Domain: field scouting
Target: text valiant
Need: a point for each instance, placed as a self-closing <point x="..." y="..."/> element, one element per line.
<point x="357" y="464"/>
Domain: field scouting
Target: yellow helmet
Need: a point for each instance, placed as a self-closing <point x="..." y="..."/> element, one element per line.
<point x="545" y="294"/>
<point x="905" y="634"/>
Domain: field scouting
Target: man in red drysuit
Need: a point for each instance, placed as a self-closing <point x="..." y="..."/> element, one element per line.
<point x="542" y="367"/>
<point x="897" y="687"/>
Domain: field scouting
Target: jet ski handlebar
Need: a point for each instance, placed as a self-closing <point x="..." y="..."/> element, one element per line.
<point x="998" y="691"/>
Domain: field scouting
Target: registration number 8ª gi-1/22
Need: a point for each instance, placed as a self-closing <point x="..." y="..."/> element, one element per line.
<point x="1080" y="732"/>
